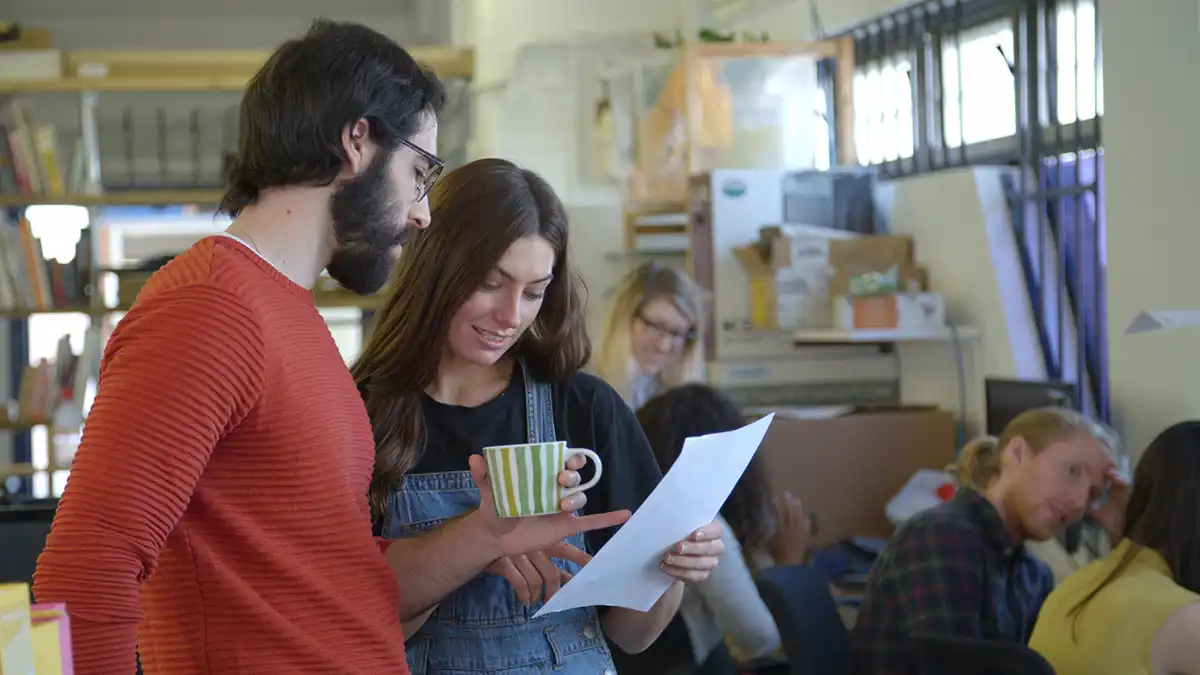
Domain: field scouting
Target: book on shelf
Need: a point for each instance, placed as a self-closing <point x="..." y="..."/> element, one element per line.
<point x="31" y="283"/>
<point x="67" y="379"/>
<point x="30" y="160"/>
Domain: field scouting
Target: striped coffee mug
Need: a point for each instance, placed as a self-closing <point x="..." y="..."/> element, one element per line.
<point x="524" y="478"/>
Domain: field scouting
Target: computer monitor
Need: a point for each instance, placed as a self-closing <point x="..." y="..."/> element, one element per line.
<point x="23" y="529"/>
<point x="1005" y="399"/>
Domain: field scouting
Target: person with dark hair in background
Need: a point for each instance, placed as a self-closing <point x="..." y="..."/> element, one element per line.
<point x="760" y="532"/>
<point x="216" y="518"/>
<point x="1137" y="610"/>
<point x="481" y="344"/>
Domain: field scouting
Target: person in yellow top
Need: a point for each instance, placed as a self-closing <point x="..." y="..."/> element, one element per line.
<point x="1137" y="610"/>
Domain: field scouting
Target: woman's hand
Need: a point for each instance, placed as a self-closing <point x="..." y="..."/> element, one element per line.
<point x="794" y="530"/>
<point x="692" y="559"/>
<point x="534" y="576"/>
<point x="513" y="537"/>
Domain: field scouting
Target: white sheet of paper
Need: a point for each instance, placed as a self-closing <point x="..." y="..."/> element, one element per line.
<point x="1163" y="319"/>
<point x="625" y="573"/>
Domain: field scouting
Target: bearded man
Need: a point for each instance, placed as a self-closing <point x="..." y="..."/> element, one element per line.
<point x="216" y="517"/>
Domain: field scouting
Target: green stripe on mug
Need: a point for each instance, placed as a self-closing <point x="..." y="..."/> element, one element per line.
<point x="524" y="478"/>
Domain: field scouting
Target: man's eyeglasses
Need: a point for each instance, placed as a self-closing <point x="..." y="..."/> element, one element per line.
<point x="429" y="177"/>
<point x="678" y="336"/>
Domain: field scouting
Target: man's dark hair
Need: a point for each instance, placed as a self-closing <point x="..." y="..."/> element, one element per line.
<point x="295" y="108"/>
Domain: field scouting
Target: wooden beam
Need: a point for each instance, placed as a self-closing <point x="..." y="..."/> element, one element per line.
<point x="228" y="63"/>
<point x="843" y="102"/>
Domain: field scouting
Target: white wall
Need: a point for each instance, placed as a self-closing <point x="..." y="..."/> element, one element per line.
<point x="963" y="235"/>
<point x="1152" y="144"/>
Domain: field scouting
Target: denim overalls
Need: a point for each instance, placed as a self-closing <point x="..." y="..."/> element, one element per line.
<point x="481" y="627"/>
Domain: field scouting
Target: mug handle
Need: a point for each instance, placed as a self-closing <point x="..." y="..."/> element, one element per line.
<point x="571" y="452"/>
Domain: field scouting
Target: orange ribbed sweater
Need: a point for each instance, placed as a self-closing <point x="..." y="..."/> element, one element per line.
<point x="216" y="515"/>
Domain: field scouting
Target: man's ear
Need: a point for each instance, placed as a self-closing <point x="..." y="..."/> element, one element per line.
<point x="1018" y="452"/>
<point x="356" y="145"/>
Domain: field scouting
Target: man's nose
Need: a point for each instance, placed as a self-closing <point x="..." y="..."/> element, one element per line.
<point x="418" y="215"/>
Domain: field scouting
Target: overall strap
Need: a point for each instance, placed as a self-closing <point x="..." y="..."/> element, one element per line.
<point x="539" y="409"/>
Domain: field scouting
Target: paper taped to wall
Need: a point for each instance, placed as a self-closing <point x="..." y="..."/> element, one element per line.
<point x="1163" y="319"/>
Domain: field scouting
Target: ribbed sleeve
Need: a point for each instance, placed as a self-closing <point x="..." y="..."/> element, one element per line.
<point x="185" y="369"/>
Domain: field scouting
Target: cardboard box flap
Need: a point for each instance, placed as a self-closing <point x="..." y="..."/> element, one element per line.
<point x="752" y="260"/>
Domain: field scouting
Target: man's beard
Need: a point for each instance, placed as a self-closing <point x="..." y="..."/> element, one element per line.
<point x="367" y="226"/>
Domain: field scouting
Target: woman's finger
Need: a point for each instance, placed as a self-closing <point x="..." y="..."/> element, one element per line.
<point x="551" y="579"/>
<point x="685" y="574"/>
<point x="564" y="551"/>
<point x="709" y="532"/>
<point x="573" y="503"/>
<point x="533" y="580"/>
<point x="576" y="462"/>
<point x="514" y="578"/>
<point x="690" y="562"/>
<point x="568" y="478"/>
<point x="699" y="548"/>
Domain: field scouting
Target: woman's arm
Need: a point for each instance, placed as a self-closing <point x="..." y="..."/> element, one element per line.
<point x="635" y="631"/>
<point x="730" y="592"/>
<point x="1175" y="649"/>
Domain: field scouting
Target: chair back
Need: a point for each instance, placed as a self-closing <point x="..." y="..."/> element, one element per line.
<point x="814" y="638"/>
<point x="23" y="529"/>
<point x="952" y="656"/>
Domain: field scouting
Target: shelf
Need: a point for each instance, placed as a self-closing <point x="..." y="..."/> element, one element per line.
<point x="25" y="313"/>
<point x="119" y="198"/>
<point x="19" y="470"/>
<point x="68" y="85"/>
<point x="831" y="336"/>
<point x="195" y="70"/>
<point x="21" y="425"/>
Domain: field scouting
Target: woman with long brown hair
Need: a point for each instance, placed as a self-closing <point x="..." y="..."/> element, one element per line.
<point x="481" y="345"/>
<point x="1137" y="610"/>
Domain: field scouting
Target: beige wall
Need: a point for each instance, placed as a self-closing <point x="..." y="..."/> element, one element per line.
<point x="1152" y="146"/>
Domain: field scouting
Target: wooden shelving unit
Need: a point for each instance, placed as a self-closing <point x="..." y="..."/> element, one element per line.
<point x="119" y="198"/>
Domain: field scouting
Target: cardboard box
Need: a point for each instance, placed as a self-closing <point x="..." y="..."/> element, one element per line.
<point x="912" y="278"/>
<point x="877" y="252"/>
<point x="785" y="298"/>
<point x="846" y="469"/>
<point x="726" y="209"/>
<point x="898" y="311"/>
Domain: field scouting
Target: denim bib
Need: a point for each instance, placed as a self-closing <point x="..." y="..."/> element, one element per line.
<point x="481" y="627"/>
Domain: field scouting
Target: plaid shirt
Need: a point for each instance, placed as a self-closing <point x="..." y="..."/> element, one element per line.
<point x="949" y="571"/>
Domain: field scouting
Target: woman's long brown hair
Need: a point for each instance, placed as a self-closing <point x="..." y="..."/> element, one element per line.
<point x="478" y="211"/>
<point x="1164" y="511"/>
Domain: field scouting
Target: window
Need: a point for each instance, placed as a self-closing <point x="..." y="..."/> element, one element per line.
<point x="978" y="85"/>
<point x="346" y="327"/>
<point x="1079" y="81"/>
<point x="821" y="154"/>
<point x="883" y="111"/>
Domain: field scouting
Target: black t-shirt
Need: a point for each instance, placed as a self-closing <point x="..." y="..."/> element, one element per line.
<point x="588" y="413"/>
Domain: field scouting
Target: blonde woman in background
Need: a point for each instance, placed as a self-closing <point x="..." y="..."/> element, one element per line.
<point x="961" y="569"/>
<point x="652" y="334"/>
